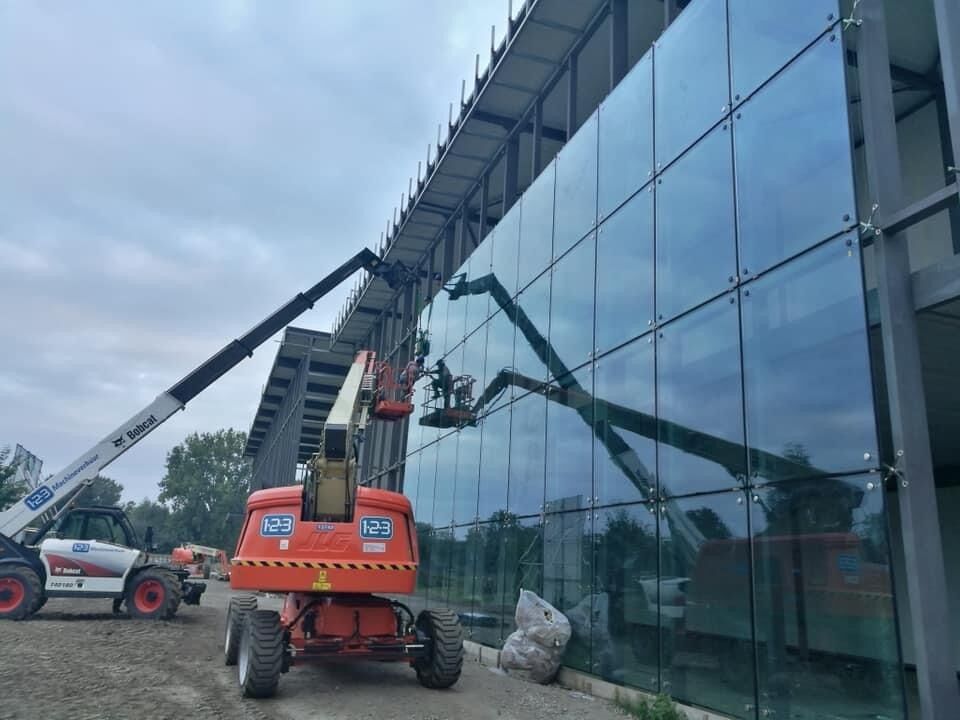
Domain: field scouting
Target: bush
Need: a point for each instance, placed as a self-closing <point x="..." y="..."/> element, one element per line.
<point x="660" y="708"/>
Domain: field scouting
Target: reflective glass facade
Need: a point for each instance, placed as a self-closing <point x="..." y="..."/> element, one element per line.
<point x="671" y="434"/>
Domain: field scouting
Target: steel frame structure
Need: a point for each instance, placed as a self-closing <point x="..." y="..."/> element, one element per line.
<point x="899" y="294"/>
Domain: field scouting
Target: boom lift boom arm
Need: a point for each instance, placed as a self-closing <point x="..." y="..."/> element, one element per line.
<point x="75" y="476"/>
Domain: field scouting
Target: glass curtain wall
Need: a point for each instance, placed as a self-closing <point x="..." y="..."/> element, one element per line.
<point x="659" y="414"/>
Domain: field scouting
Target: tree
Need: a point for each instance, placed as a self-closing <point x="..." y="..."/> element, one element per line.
<point x="11" y="489"/>
<point x="102" y="491"/>
<point x="148" y="513"/>
<point x="206" y="484"/>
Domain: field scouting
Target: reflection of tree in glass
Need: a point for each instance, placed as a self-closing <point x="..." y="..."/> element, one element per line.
<point x="798" y="453"/>
<point x="820" y="506"/>
<point x="710" y="523"/>
<point x="626" y="553"/>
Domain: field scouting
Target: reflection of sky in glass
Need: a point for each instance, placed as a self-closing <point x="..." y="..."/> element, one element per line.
<point x="534" y="301"/>
<point x="571" y="311"/>
<point x="499" y="356"/>
<point x="506" y="248"/>
<point x="803" y="197"/>
<point x="536" y="225"/>
<point x="477" y="267"/>
<point x="575" y="212"/>
<point x="698" y="388"/>
<point x="696" y="249"/>
<point x="494" y="460"/>
<point x="625" y="153"/>
<point x="423" y="511"/>
<point x="806" y="363"/>
<point x="624" y="304"/>
<point x="468" y="472"/>
<point x="691" y="85"/>
<point x="446" y="477"/>
<point x="527" y="448"/>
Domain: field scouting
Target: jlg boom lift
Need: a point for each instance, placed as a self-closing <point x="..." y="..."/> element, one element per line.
<point x="93" y="552"/>
<point x="336" y="549"/>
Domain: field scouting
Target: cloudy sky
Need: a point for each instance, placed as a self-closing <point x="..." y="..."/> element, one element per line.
<point x="170" y="172"/>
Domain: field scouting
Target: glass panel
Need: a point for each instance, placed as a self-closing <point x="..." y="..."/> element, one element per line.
<point x="437" y="319"/>
<point x="532" y="328"/>
<point x="807" y="367"/>
<point x="706" y="635"/>
<point x="494" y="463"/>
<point x="624" y="304"/>
<point x="571" y="309"/>
<point x="527" y="450"/>
<point x="463" y="552"/>
<point x="468" y="474"/>
<point x="765" y="35"/>
<point x="691" y="86"/>
<point x="523" y="564"/>
<point x="446" y="476"/>
<point x="575" y="209"/>
<point x="794" y="176"/>
<point x="411" y="478"/>
<point x="696" y="244"/>
<point x="498" y="370"/>
<point x="536" y="225"/>
<point x="568" y="579"/>
<point x="478" y="267"/>
<point x="473" y="358"/>
<point x="570" y="442"/>
<point x="699" y="401"/>
<point x="456" y="313"/>
<point x="625" y="425"/>
<point x="626" y="137"/>
<point x="506" y="249"/>
<point x="424" y="543"/>
<point x="423" y="510"/>
<point x="826" y="629"/>
<point x="625" y="635"/>
<point x="488" y="588"/>
<point x="439" y="572"/>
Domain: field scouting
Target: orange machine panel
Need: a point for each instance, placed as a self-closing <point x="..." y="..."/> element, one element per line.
<point x="280" y="552"/>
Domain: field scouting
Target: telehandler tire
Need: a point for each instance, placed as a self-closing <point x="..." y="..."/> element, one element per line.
<point x="441" y="668"/>
<point x="153" y="594"/>
<point x="233" y="631"/>
<point x="260" y="660"/>
<point x="21" y="593"/>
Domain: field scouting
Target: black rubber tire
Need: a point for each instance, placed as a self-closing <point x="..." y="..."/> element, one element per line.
<point x="260" y="659"/>
<point x="170" y="601"/>
<point x="206" y="571"/>
<point x="236" y="612"/>
<point x="442" y="667"/>
<point x="33" y="597"/>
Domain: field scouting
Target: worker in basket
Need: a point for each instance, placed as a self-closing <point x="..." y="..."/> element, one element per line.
<point x="410" y="374"/>
<point x="442" y="383"/>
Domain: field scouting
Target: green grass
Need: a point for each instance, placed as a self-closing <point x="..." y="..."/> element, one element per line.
<point x="660" y="708"/>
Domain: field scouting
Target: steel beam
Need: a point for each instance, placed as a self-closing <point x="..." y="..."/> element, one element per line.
<point x="618" y="41"/>
<point x="935" y="202"/>
<point x="916" y="494"/>
<point x="948" y="32"/>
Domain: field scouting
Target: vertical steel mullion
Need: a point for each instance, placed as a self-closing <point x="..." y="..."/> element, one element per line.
<point x="916" y="494"/>
<point x="948" y="32"/>
<point x="618" y="41"/>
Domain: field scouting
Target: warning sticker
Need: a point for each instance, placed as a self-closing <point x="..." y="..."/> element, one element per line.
<point x="369" y="547"/>
<point x="321" y="582"/>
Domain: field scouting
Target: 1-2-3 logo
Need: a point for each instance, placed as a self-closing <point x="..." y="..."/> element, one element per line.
<point x="376" y="528"/>
<point x="277" y="526"/>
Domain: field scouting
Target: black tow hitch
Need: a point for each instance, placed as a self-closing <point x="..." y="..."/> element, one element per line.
<point x="192" y="591"/>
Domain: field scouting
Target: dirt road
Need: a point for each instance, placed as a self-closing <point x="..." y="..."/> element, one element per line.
<point x="75" y="660"/>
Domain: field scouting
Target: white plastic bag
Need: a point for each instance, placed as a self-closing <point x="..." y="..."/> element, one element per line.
<point x="535" y="649"/>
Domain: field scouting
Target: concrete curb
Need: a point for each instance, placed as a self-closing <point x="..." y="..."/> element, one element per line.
<point x="581" y="682"/>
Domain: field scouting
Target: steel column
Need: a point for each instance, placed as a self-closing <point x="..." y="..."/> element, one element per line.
<point x="950" y="176"/>
<point x="670" y="12"/>
<point x="484" y="205"/>
<point x="948" y="31"/>
<point x="618" y="41"/>
<point x="511" y="172"/>
<point x="572" y="73"/>
<point x="916" y="494"/>
<point x="536" y="140"/>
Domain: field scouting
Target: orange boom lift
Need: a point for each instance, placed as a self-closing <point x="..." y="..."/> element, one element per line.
<point x="337" y="550"/>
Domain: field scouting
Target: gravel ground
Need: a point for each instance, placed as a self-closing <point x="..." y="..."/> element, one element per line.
<point x="75" y="660"/>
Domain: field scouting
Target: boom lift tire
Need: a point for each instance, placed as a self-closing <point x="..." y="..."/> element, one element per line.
<point x="153" y="594"/>
<point x="236" y="613"/>
<point x="21" y="593"/>
<point x="442" y="667"/>
<point x="260" y="660"/>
